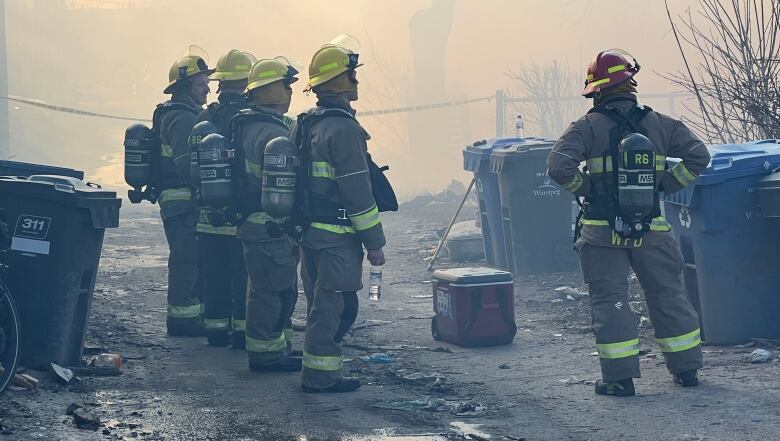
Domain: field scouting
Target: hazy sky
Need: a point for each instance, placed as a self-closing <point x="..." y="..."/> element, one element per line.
<point x="116" y="61"/>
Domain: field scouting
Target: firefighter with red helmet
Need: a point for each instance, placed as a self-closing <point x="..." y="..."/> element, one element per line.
<point x="624" y="146"/>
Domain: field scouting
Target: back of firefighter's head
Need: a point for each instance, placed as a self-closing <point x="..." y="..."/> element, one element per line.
<point x="611" y="72"/>
<point x="332" y="70"/>
<point x="270" y="83"/>
<point x="189" y="77"/>
<point x="232" y="71"/>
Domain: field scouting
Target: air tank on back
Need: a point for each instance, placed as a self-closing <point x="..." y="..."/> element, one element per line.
<point x="140" y="143"/>
<point x="636" y="177"/>
<point x="200" y="131"/>
<point x="279" y="167"/>
<point x="216" y="171"/>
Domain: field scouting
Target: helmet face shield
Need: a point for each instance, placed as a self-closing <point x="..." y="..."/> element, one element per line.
<point x="347" y="42"/>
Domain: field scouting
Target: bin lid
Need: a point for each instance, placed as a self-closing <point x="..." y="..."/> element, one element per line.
<point x="730" y="161"/>
<point x="480" y="151"/>
<point x="473" y="275"/>
<point x="15" y="168"/>
<point x="103" y="205"/>
<point x="529" y="148"/>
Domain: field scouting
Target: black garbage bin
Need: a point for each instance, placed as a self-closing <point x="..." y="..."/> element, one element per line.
<point x="57" y="225"/>
<point x="537" y="213"/>
<point x="15" y="168"/>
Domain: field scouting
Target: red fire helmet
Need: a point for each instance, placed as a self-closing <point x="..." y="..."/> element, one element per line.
<point x="608" y="69"/>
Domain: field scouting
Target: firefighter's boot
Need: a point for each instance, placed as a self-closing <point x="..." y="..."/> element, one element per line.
<point x="622" y="388"/>
<point x="344" y="384"/>
<point x="687" y="378"/>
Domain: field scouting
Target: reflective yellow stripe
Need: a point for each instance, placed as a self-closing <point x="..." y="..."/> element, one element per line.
<point x="189" y="311"/>
<point x="288" y="121"/>
<point x="225" y="230"/>
<point x="680" y="343"/>
<point x="276" y="345"/>
<point x="618" y="68"/>
<point x="596" y="165"/>
<point x="595" y="222"/>
<point x="601" y="81"/>
<point x="338" y="229"/>
<point x="321" y="169"/>
<point x="166" y="151"/>
<point x="660" y="224"/>
<point x="618" y="350"/>
<point x="322" y="363"/>
<point x="239" y="325"/>
<point x="288" y="334"/>
<point x="216" y="324"/>
<point x="575" y="183"/>
<point x="175" y="194"/>
<point x="366" y="220"/>
<point x="259" y="218"/>
<point x="682" y="174"/>
<point x="329" y="67"/>
<point x="255" y="170"/>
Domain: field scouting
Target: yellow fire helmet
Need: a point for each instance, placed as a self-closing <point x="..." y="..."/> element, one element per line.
<point x="191" y="63"/>
<point x="233" y="66"/>
<point x="334" y="58"/>
<point x="269" y="71"/>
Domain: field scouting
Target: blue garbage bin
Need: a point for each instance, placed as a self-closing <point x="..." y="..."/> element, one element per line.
<point x="476" y="159"/>
<point x="728" y="228"/>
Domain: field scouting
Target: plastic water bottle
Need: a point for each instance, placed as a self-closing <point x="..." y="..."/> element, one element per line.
<point x="375" y="283"/>
<point x="520" y="126"/>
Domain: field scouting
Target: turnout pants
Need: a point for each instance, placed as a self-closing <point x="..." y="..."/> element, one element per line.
<point x="223" y="282"/>
<point x="331" y="278"/>
<point x="183" y="300"/>
<point x="659" y="270"/>
<point x="272" y="268"/>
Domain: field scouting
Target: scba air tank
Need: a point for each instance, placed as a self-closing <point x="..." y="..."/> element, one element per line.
<point x="216" y="171"/>
<point x="636" y="178"/>
<point x="280" y="165"/>
<point x="140" y="143"/>
<point x="200" y="131"/>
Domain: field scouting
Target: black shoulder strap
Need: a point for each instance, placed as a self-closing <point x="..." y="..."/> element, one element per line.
<point x="166" y="107"/>
<point x="252" y="115"/>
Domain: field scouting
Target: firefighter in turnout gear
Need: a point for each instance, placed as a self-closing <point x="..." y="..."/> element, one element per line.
<point x="271" y="257"/>
<point x="343" y="212"/>
<point x="173" y="119"/>
<point x="624" y="146"/>
<point x="221" y="263"/>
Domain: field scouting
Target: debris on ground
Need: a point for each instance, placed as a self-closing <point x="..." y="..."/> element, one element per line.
<point x="60" y="374"/>
<point x="441" y="349"/>
<point x="574" y="380"/>
<point x="378" y="358"/>
<point x="504" y="366"/>
<point x="568" y="293"/>
<point x="757" y="356"/>
<point x="106" y="361"/>
<point x="72" y="408"/>
<point x="421" y="404"/>
<point x="25" y="381"/>
<point x="464" y="243"/>
<point x="86" y="419"/>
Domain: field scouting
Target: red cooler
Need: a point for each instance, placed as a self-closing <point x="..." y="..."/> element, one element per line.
<point x="473" y="306"/>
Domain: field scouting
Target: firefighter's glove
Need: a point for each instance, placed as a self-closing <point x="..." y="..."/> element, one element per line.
<point x="376" y="257"/>
<point x="670" y="184"/>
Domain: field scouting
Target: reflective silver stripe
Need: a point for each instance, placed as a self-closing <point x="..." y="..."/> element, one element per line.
<point x="322" y="363"/>
<point x="276" y="345"/>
